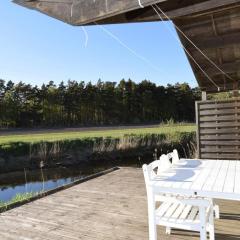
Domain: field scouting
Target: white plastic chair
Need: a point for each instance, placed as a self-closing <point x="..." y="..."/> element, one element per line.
<point x="174" y="157"/>
<point x="188" y="214"/>
<point x="165" y="162"/>
<point x="158" y="167"/>
<point x="192" y="214"/>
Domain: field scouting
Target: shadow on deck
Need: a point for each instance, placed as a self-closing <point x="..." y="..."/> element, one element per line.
<point x="112" y="206"/>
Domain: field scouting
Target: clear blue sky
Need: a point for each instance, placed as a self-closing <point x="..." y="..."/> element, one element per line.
<point x="35" y="48"/>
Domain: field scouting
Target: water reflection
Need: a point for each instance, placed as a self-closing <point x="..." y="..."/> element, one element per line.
<point x="37" y="181"/>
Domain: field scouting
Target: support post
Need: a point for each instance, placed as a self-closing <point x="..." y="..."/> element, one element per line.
<point x="236" y="93"/>
<point x="204" y="96"/>
<point x="235" y="89"/>
<point x="197" y="131"/>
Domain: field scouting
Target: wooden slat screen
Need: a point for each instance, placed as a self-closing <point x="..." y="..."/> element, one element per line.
<point x="218" y="133"/>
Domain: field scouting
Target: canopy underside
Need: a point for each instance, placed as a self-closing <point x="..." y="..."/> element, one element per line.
<point x="213" y="25"/>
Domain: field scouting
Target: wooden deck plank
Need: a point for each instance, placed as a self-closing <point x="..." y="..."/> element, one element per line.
<point x="109" y="207"/>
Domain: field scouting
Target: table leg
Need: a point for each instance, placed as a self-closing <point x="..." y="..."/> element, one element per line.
<point x="151" y="216"/>
<point x="211" y="221"/>
<point x="202" y="215"/>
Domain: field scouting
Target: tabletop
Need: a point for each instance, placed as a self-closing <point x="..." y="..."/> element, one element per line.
<point x="204" y="178"/>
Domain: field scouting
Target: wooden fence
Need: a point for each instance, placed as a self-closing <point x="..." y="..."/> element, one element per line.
<point x="218" y="133"/>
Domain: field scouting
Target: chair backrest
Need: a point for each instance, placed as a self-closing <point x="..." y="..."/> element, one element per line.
<point x="174" y="156"/>
<point x="147" y="173"/>
<point x="164" y="164"/>
<point x="151" y="170"/>
<point x="155" y="168"/>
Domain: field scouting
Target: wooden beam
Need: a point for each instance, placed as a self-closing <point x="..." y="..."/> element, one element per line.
<point x="148" y="14"/>
<point x="59" y="9"/>
<point x="94" y="11"/>
<point x="228" y="68"/>
<point x="87" y="12"/>
<point x="215" y="41"/>
<point x="206" y="7"/>
<point x="218" y="36"/>
<point x="210" y="88"/>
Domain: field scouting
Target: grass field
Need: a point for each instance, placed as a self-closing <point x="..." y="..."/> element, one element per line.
<point x="38" y="137"/>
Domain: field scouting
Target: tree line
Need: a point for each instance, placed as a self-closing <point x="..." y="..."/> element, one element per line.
<point x="104" y="103"/>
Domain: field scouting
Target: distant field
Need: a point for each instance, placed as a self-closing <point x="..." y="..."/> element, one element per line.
<point x="69" y="135"/>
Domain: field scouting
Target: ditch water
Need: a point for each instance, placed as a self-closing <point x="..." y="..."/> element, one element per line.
<point x="35" y="181"/>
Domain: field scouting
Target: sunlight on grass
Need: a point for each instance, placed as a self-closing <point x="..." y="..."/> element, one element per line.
<point x="37" y="137"/>
<point x="18" y="198"/>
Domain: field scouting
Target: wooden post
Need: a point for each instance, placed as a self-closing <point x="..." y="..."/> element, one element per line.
<point x="204" y="96"/>
<point x="236" y="93"/>
<point x="197" y="131"/>
<point x="235" y="89"/>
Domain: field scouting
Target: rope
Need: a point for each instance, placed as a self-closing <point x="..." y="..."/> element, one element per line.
<point x="140" y="4"/>
<point x="130" y="49"/>
<point x="188" y="53"/>
<point x="83" y="28"/>
<point x="86" y="36"/>
<point x="213" y="63"/>
<point x="71" y="11"/>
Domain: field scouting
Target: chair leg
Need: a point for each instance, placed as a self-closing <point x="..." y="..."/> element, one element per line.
<point x="211" y="227"/>
<point x="168" y="230"/>
<point x="216" y="211"/>
<point x="203" y="234"/>
<point x="211" y="233"/>
<point x="203" y="231"/>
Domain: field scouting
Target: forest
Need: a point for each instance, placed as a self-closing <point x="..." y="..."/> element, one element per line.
<point x="86" y="104"/>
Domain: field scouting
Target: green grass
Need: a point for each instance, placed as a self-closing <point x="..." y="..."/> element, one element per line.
<point x="16" y="199"/>
<point x="50" y="137"/>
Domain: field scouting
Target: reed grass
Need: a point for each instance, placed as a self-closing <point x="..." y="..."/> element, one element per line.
<point x="109" y="146"/>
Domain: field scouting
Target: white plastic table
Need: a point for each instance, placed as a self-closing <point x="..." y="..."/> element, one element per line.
<point x="215" y="179"/>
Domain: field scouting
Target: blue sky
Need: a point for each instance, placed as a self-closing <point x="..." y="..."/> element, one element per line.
<point x="35" y="48"/>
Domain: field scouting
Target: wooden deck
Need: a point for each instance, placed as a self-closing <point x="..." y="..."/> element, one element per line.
<point x="112" y="206"/>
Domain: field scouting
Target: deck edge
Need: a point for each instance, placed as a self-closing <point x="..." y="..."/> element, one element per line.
<point x="58" y="189"/>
